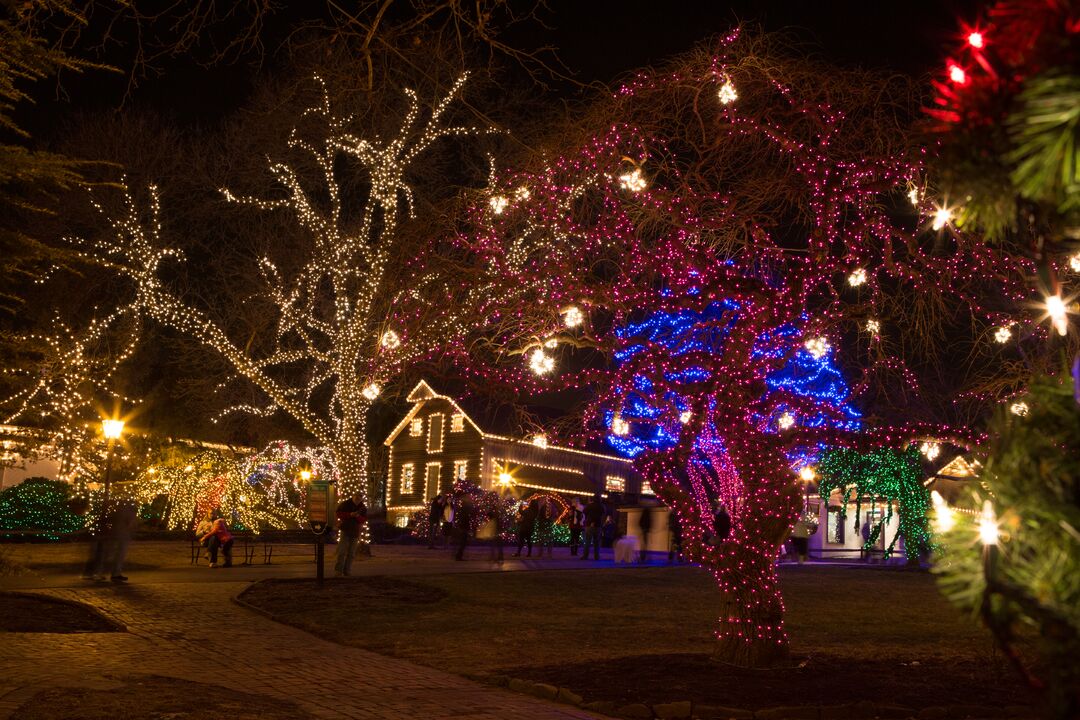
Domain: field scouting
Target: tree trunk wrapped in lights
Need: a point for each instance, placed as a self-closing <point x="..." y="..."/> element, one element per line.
<point x="734" y="226"/>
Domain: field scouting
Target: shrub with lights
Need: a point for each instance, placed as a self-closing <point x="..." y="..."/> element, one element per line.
<point x="39" y="505"/>
<point x="769" y="217"/>
<point x="486" y="503"/>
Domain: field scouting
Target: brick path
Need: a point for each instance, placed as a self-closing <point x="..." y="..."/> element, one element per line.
<point x="183" y="630"/>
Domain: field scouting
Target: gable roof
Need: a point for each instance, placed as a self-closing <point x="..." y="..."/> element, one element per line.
<point x="423" y="392"/>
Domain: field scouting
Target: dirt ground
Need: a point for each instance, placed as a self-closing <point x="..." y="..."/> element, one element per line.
<point x="630" y="635"/>
<point x="36" y="614"/>
<point x="155" y="697"/>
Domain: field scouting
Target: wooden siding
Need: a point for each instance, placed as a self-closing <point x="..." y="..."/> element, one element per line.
<point x="553" y="468"/>
<point x="406" y="448"/>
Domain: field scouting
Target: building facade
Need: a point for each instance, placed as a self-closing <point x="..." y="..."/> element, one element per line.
<point x="437" y="443"/>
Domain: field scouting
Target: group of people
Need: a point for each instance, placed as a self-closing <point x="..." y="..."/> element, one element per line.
<point x="451" y="515"/>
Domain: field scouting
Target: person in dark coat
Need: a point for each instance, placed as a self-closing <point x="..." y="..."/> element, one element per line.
<point x="645" y="523"/>
<point x="575" y="520"/>
<point x="463" y="523"/>
<point x="595" y="513"/>
<point x="435" y="511"/>
<point x="526" y="525"/>
<point x="350" y="515"/>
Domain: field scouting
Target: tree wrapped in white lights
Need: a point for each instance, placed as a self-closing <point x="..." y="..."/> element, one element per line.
<point x="335" y="347"/>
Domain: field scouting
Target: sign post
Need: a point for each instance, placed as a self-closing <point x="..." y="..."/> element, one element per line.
<point x="318" y="513"/>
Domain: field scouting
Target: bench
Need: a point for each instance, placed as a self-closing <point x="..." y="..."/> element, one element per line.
<point x="285" y="539"/>
<point x="242" y="541"/>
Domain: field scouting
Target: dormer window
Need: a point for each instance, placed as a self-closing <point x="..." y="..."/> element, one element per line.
<point x="416" y="427"/>
<point x="457" y="422"/>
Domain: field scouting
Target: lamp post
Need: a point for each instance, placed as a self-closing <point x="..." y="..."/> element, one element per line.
<point x="112" y="429"/>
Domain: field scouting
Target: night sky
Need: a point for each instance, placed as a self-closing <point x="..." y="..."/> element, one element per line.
<point x="598" y="40"/>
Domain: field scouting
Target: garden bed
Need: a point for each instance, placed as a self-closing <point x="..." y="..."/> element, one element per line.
<point x="30" y="613"/>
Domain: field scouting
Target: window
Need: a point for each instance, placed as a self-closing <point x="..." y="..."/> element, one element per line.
<point x="416" y="428"/>
<point x="408" y="475"/>
<point x="457" y="422"/>
<point x="646" y="488"/>
<point x="835" y="527"/>
<point x="434" y="433"/>
<point x="402" y="521"/>
<point x="614" y="483"/>
<point x="431" y="480"/>
<point x="461" y="467"/>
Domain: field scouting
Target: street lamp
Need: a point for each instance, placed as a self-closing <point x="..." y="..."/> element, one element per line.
<point x="112" y="429"/>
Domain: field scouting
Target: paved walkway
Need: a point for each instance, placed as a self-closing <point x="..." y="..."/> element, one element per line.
<point x="184" y="630"/>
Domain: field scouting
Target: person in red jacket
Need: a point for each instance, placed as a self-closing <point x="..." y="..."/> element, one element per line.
<point x="350" y="515"/>
<point x="220" y="538"/>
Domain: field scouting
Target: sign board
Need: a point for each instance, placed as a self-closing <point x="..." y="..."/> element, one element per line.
<point x="318" y="506"/>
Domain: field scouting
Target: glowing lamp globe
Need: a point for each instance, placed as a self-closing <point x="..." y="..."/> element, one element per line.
<point x="112" y="429"/>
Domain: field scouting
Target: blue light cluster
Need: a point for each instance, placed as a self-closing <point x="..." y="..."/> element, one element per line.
<point x="684" y="331"/>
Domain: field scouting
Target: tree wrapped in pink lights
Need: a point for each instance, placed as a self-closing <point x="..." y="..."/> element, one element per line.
<point x="720" y="247"/>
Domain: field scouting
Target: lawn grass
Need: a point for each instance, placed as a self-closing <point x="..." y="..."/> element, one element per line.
<point x="618" y="634"/>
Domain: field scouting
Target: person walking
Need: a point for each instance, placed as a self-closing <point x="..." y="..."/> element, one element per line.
<point x="595" y="513"/>
<point x="675" y="528"/>
<point x="463" y="522"/>
<point x="865" y="551"/>
<point x="526" y="525"/>
<point x="448" y="510"/>
<point x="575" y="521"/>
<point x="435" y="511"/>
<point x="645" y="523"/>
<point x="800" y="539"/>
<point x="350" y="515"/>
<point x="220" y="538"/>
<point x="498" y="523"/>
<point x="124" y="518"/>
<point x="545" y="527"/>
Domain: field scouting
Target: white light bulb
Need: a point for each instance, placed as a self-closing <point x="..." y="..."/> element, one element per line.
<point x="540" y="362"/>
<point x="498" y="204"/>
<point x="913" y="196"/>
<point x="540" y="441"/>
<point x="930" y="450"/>
<point x="1055" y="308"/>
<point x="873" y="326"/>
<point x="633" y="181"/>
<point x="1019" y="409"/>
<point x="988" y="525"/>
<point x="857" y="277"/>
<point x="684" y="416"/>
<point x="944" y="519"/>
<point x="619" y="426"/>
<point x="371" y="391"/>
<point x="942" y="217"/>
<point x="807" y="474"/>
<point x="817" y="347"/>
<point x="522" y="193"/>
<point x="727" y="93"/>
<point x="390" y="340"/>
<point x="1074" y="262"/>
<point x="786" y="421"/>
<point x="1002" y="334"/>
<point x="573" y="316"/>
